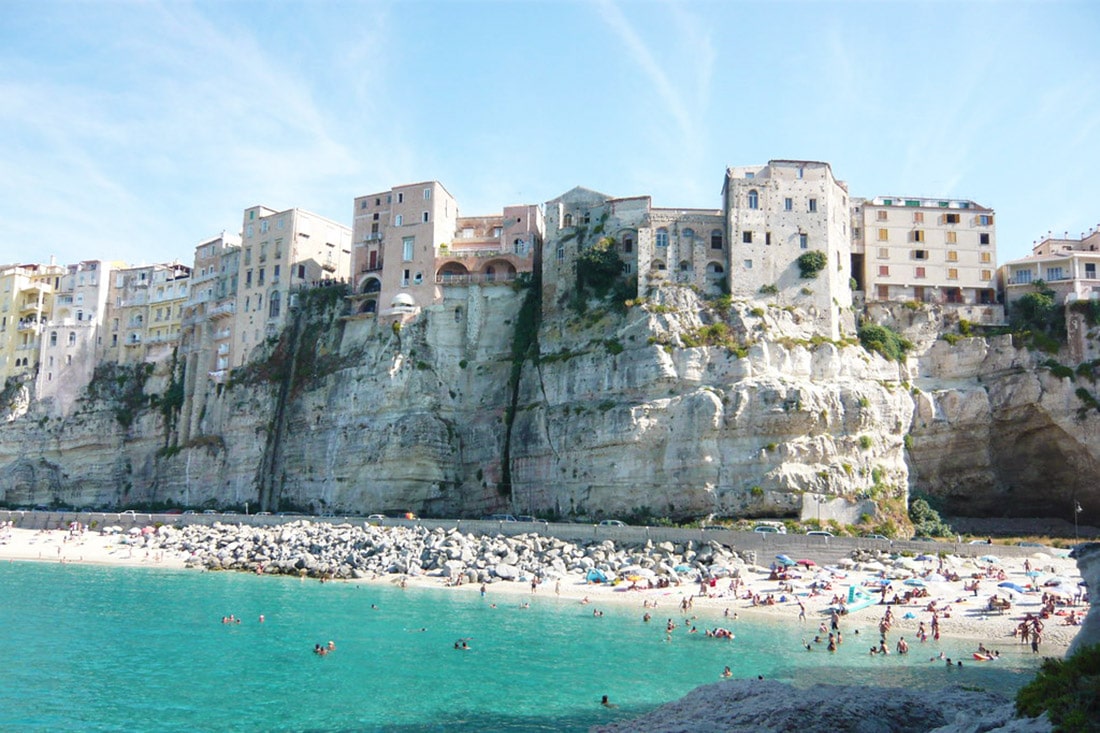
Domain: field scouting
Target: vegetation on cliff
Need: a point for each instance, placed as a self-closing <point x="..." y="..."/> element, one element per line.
<point x="1067" y="690"/>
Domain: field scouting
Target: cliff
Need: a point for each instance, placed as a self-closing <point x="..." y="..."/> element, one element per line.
<point x="672" y="407"/>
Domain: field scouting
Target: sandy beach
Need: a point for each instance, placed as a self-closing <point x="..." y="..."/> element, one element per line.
<point x="962" y="611"/>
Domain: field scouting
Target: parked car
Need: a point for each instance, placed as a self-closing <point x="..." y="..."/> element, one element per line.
<point x="528" y="518"/>
<point x="128" y="513"/>
<point x="819" y="533"/>
<point x="612" y="523"/>
<point x="376" y="517"/>
<point x="770" y="528"/>
<point x="875" y="537"/>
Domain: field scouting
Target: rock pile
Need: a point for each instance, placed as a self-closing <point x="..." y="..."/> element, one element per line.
<point x="352" y="551"/>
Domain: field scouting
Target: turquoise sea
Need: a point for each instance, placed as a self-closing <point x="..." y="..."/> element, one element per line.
<point x="123" y="649"/>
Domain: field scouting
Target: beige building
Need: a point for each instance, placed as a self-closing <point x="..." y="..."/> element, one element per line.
<point x="26" y="301"/>
<point x="281" y="252"/>
<point x="1066" y="266"/>
<point x="73" y="332"/>
<point x="941" y="251"/>
<point x="145" y="312"/>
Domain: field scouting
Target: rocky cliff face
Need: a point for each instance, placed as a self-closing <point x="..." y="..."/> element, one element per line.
<point x="671" y="409"/>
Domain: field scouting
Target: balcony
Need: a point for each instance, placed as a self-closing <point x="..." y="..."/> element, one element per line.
<point x="376" y="267"/>
<point x="473" y="279"/>
<point x="223" y="310"/>
<point x="373" y="237"/>
<point x="328" y="266"/>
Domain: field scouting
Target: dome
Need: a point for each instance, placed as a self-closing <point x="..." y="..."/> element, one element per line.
<point x="403" y="300"/>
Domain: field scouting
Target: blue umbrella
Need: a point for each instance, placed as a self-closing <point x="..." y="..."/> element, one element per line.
<point x="785" y="560"/>
<point x="915" y="581"/>
<point x="1009" y="584"/>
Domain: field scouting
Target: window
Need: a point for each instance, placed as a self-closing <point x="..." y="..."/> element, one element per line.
<point x="952" y="273"/>
<point x="987" y="274"/>
<point x="497" y="232"/>
<point x="882" y="214"/>
<point x="1090" y="270"/>
<point x="662" y="237"/>
<point x="746" y="237"/>
<point x="301" y="272"/>
<point x="398" y="220"/>
<point x="803" y="240"/>
<point x="72" y="338"/>
<point x="407" y="249"/>
<point x="767" y="237"/>
<point x="788" y="204"/>
<point x="883" y="235"/>
<point x="424" y="217"/>
<point x="748" y="264"/>
<point x="404" y="278"/>
<point x="983" y="238"/>
<point x="561" y="254"/>
<point x="952" y="255"/>
<point x="427" y="194"/>
<point x="950" y="218"/>
<point x="716" y="239"/>
<point x="813" y="205"/>
<point x="1054" y="273"/>
<point x="248" y="278"/>
<point x="919" y="272"/>
<point x="250" y="229"/>
<point x="754" y="199"/>
<point x="986" y="257"/>
<point x="1022" y="277"/>
<point x="53" y="338"/>
<point x="400" y="198"/>
<point x="884" y="271"/>
<point x="263" y="227"/>
<point x="950" y="237"/>
<point x="247" y="256"/>
<point x="918" y="235"/>
<point x="883" y="253"/>
<point x="985" y="220"/>
<point x="567" y="220"/>
<point x="918" y="217"/>
<point x="628" y="244"/>
<point x="260" y="278"/>
<point x="273" y="305"/>
<point x="920" y="254"/>
<point x="688" y="234"/>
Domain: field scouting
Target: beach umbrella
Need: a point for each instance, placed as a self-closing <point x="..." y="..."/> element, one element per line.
<point x="989" y="559"/>
<point x="926" y="558"/>
<point x="915" y="582"/>
<point x="1011" y="586"/>
<point x="785" y="560"/>
<point x="806" y="563"/>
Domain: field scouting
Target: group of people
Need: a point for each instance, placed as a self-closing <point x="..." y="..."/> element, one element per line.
<point x="324" y="649"/>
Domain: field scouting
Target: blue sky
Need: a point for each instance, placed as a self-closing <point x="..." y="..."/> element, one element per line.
<point x="133" y="131"/>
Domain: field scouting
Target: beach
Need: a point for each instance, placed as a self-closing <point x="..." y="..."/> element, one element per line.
<point x="802" y="597"/>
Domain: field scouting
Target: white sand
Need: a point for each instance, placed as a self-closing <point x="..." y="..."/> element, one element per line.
<point x="967" y="619"/>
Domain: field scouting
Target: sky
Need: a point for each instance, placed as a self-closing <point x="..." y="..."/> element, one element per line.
<point x="133" y="131"/>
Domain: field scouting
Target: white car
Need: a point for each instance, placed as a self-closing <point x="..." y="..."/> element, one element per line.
<point x="612" y="523"/>
<point x="819" y="533"/>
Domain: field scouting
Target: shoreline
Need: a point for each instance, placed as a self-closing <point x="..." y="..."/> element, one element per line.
<point x="966" y="620"/>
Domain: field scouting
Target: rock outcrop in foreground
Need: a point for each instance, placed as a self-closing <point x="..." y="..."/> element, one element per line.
<point x="765" y="705"/>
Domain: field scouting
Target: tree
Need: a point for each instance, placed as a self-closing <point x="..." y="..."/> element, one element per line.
<point x="599" y="266"/>
<point x="811" y="263"/>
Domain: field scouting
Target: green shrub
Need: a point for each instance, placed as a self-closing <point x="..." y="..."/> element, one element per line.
<point x="1068" y="691"/>
<point x="865" y="442"/>
<point x="885" y="341"/>
<point x="926" y="520"/>
<point x="811" y="263"/>
<point x="769" y="289"/>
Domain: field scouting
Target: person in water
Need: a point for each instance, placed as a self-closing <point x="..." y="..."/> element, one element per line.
<point x="607" y="703"/>
<point x="727" y="672"/>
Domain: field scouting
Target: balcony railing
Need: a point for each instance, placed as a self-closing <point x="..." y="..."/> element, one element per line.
<point x="473" y="279"/>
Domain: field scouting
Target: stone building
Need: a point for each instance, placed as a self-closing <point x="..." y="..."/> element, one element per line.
<point x="282" y="251"/>
<point x="73" y="333"/>
<point x="776" y="214"/>
<point x="939" y="250"/>
<point x="26" y="301"/>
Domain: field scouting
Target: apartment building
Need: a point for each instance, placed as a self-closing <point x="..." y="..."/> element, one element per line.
<point x="145" y="312"/>
<point x="1066" y="266"/>
<point x="937" y="250"/>
<point x="26" y="300"/>
<point x="775" y="214"/>
<point x="397" y="235"/>
<point x="73" y="332"/>
<point x="281" y="251"/>
<point x="207" y="330"/>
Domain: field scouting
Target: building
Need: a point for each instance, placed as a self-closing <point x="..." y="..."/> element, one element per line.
<point x="74" y="332"/>
<point x="26" y="301"/>
<point x="145" y="312"/>
<point x="410" y="242"/>
<point x="1066" y="266"/>
<point x="943" y="251"/>
<point x="656" y="245"/>
<point x="281" y="252"/>
<point x="776" y="215"/>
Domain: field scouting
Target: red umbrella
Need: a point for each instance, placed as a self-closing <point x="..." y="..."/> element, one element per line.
<point x="806" y="563"/>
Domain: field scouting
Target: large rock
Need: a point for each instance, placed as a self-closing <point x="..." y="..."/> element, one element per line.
<point x="1088" y="562"/>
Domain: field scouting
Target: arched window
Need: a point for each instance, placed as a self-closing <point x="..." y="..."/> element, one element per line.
<point x="53" y="339"/>
<point x="688" y="234"/>
<point x="628" y="244"/>
<point x="685" y="266"/>
<point x="716" y="239"/>
<point x="273" y="305"/>
<point x="567" y="221"/>
<point x="72" y="338"/>
<point x="715" y="268"/>
<point x="754" y="199"/>
<point x="662" y="237"/>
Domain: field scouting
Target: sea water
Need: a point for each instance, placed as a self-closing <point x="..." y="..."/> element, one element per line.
<point x="135" y="649"/>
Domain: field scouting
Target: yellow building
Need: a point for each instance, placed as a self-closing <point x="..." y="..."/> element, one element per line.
<point x="26" y="301"/>
<point x="145" y="312"/>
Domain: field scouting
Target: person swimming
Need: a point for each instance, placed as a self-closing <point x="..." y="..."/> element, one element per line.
<point x="727" y="672"/>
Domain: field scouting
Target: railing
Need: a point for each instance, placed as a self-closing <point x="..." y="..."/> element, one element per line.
<point x="225" y="309"/>
<point x="474" y="279"/>
<point x="371" y="268"/>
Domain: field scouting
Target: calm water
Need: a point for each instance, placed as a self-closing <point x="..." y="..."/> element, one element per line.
<point x="115" y="649"/>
